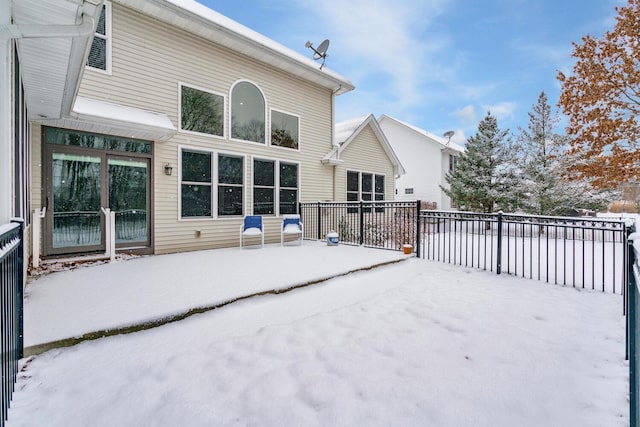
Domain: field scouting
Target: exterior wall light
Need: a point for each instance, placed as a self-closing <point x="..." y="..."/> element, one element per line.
<point x="167" y="169"/>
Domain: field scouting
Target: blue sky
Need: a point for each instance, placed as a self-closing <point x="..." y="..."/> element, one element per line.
<point x="437" y="64"/>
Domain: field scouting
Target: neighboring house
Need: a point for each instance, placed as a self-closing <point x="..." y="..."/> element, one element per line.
<point x="365" y="165"/>
<point x="182" y="122"/>
<point x="426" y="158"/>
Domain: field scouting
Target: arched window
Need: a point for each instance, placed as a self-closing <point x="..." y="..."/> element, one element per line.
<point x="247" y="113"/>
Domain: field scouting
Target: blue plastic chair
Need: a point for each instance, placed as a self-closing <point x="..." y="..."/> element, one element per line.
<point x="291" y="225"/>
<point x="252" y="226"/>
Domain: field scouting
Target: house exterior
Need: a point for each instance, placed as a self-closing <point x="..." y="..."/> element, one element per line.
<point x="365" y="165"/>
<point x="176" y="118"/>
<point x="426" y="158"/>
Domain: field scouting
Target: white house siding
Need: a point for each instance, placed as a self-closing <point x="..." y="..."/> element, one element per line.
<point x="365" y="154"/>
<point x="149" y="60"/>
<point x="423" y="161"/>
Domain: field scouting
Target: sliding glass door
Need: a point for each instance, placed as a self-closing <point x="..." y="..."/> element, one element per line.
<point x="85" y="173"/>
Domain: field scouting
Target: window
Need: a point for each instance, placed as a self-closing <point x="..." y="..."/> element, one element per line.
<point x="284" y="130"/>
<point x="201" y="111"/>
<point x="266" y="185"/>
<point x="100" y="53"/>
<point x="196" y="184"/>
<point x="362" y="186"/>
<point x="408" y="190"/>
<point x="288" y="188"/>
<point x="453" y="161"/>
<point x="379" y="187"/>
<point x="230" y="185"/>
<point x="353" y="186"/>
<point x="247" y="113"/>
<point x="198" y="181"/>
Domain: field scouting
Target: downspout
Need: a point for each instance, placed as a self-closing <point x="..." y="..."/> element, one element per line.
<point x="333" y="141"/>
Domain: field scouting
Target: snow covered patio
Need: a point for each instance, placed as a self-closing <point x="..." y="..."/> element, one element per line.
<point x="412" y="343"/>
<point x="154" y="289"/>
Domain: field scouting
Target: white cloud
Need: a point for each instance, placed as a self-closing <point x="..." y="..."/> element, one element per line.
<point x="467" y="114"/>
<point x="459" y="137"/>
<point x="382" y="42"/>
<point x="502" y="111"/>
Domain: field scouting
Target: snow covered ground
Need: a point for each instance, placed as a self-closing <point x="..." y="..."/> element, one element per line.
<point x="414" y="343"/>
<point x="109" y="296"/>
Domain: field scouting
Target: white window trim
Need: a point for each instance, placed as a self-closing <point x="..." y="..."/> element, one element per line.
<point x="267" y="131"/>
<point x="108" y="37"/>
<point x="276" y="181"/>
<point x="214" y="184"/>
<point x="224" y="112"/>
<point x="299" y="130"/>
<point x="373" y="190"/>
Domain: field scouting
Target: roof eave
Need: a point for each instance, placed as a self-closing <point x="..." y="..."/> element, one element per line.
<point x="253" y="45"/>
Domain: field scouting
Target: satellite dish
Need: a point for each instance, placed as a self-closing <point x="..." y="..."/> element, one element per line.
<point x="448" y="134"/>
<point x="320" y="52"/>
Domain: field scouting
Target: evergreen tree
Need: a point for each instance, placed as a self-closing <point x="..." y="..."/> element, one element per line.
<point x="544" y="161"/>
<point x="484" y="177"/>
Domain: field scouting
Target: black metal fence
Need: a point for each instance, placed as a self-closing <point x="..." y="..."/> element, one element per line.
<point x="380" y="224"/>
<point x="633" y="331"/>
<point x="11" y="303"/>
<point x="579" y="252"/>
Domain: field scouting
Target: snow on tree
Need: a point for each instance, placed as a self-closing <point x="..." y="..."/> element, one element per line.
<point x="483" y="178"/>
<point x="544" y="160"/>
<point x="602" y="100"/>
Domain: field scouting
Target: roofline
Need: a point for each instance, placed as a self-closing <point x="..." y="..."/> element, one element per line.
<point x="398" y="169"/>
<point x="215" y="27"/>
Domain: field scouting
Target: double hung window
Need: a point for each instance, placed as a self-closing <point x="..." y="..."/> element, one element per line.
<point x="363" y="186"/>
<point x="200" y="175"/>
<point x="275" y="183"/>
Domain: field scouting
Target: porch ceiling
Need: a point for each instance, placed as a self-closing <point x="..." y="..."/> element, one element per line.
<point x="53" y="39"/>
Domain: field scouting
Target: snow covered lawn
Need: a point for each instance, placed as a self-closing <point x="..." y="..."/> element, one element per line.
<point x="417" y="343"/>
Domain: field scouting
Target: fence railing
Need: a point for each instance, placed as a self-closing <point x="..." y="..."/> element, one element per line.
<point x="579" y="252"/>
<point x="11" y="304"/>
<point x="380" y="224"/>
<point x="633" y="330"/>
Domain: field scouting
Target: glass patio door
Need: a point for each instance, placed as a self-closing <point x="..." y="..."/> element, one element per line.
<point x="129" y="199"/>
<point x="74" y="200"/>
<point x="80" y="185"/>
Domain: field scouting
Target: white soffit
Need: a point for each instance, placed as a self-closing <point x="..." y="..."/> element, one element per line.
<point x="51" y="66"/>
<point x="92" y="115"/>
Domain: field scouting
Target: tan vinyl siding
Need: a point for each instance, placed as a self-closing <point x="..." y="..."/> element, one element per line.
<point x="365" y="154"/>
<point x="149" y="61"/>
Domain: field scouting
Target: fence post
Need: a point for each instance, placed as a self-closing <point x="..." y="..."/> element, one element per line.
<point x="20" y="291"/>
<point x="499" y="245"/>
<point x="418" y="233"/>
<point x="319" y="221"/>
<point x="361" y="222"/>
<point x="632" y="340"/>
